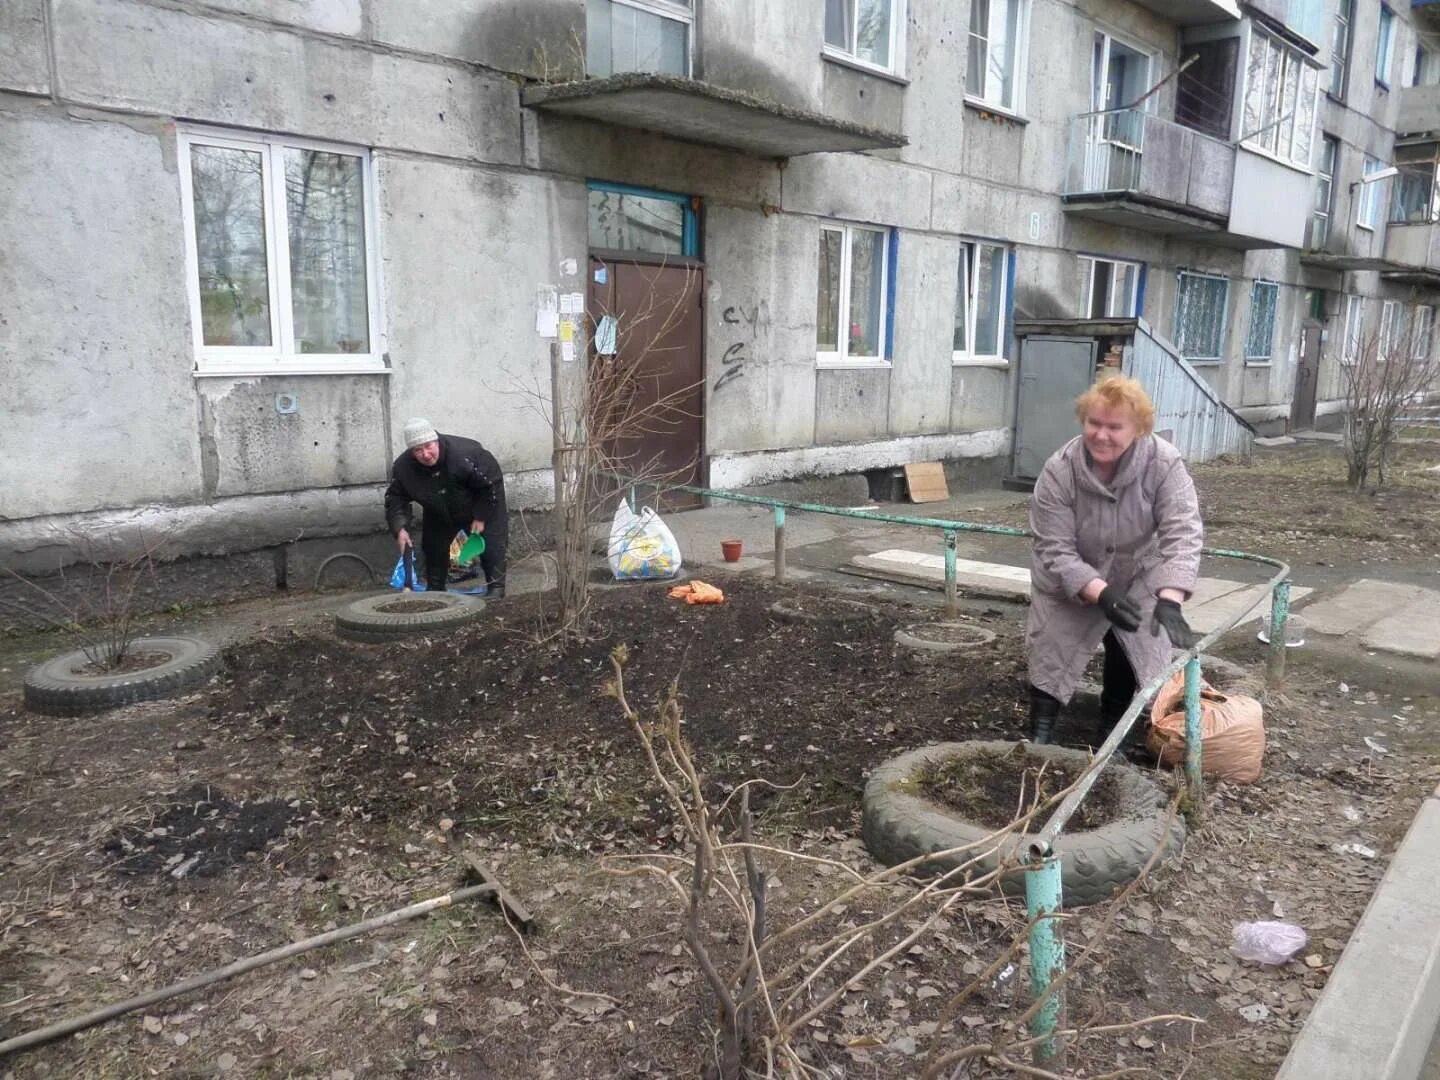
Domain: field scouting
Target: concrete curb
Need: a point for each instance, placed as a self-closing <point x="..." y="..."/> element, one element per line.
<point x="1381" y="1007"/>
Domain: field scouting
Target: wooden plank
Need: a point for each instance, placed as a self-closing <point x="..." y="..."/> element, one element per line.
<point x="480" y="873"/>
<point x="925" y="482"/>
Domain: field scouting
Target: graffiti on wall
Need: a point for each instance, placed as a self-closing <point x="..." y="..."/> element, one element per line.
<point x="741" y="326"/>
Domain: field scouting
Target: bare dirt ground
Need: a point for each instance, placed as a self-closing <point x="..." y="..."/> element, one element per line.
<point x="318" y="782"/>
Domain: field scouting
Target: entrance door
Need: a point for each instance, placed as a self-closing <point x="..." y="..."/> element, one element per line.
<point x="1054" y="371"/>
<point x="1307" y="377"/>
<point x="655" y="378"/>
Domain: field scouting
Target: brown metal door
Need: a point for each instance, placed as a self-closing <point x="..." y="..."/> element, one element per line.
<point x="655" y="381"/>
<point x="1307" y="377"/>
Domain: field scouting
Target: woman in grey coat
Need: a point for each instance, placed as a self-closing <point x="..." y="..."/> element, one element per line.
<point x="1117" y="548"/>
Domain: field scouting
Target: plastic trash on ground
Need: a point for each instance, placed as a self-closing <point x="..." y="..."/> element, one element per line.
<point x="1267" y="942"/>
<point x="697" y="592"/>
<point x="642" y="547"/>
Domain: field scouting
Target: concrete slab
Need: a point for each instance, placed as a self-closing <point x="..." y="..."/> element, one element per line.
<point x="1381" y="1006"/>
<point x="921" y="568"/>
<point x="1215" y="613"/>
<point x="1358" y="605"/>
<point x="1414" y="630"/>
<point x="1278" y="440"/>
<point x="1319" y="436"/>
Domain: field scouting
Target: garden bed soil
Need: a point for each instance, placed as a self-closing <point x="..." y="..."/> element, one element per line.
<point x="408" y="606"/>
<point x="993" y="789"/>
<point x="388" y="760"/>
<point x="130" y="663"/>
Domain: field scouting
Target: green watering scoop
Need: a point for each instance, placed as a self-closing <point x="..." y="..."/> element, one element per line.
<point x="472" y="549"/>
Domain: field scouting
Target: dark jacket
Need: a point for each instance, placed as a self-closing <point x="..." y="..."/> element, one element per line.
<point x="464" y="484"/>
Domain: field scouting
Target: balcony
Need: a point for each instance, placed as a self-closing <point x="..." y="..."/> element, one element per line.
<point x="1131" y="168"/>
<point x="1192" y="12"/>
<point x="1419" y="109"/>
<point x="698" y="112"/>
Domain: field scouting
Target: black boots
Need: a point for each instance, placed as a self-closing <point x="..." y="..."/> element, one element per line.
<point x="1044" y="711"/>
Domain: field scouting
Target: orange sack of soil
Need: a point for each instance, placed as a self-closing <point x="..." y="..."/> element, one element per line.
<point x="1232" y="731"/>
<point x="697" y="592"/>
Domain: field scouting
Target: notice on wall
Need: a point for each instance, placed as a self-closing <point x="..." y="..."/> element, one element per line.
<point x="547" y="310"/>
<point x="605" y="333"/>
<point x="567" y="341"/>
<point x="568" y="267"/>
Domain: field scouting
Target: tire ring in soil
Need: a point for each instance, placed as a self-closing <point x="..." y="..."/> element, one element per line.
<point x="912" y="637"/>
<point x="338" y="557"/>
<point x="784" y="612"/>
<point x="362" y="620"/>
<point x="53" y="689"/>
<point x="899" y="825"/>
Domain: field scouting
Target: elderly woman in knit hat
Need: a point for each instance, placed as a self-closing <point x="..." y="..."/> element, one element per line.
<point x="459" y="485"/>
<point x="1116" y="551"/>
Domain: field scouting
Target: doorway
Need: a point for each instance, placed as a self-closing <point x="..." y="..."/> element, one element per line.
<point x="1307" y="377"/>
<point x="1055" y="369"/>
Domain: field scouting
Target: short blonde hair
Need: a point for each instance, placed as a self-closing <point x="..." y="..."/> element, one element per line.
<point x="1118" y="392"/>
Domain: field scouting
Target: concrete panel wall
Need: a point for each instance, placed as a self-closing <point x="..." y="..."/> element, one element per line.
<point x="764" y="48"/>
<point x="96" y="385"/>
<point x="851" y="404"/>
<point x="858" y="188"/>
<point x="334" y="436"/>
<point x="24" y="49"/>
<point x="980" y="398"/>
<point x="934" y="63"/>
<point x="172" y="63"/>
<point x="543" y="38"/>
<point x="759" y="330"/>
<point x="343" y="17"/>
<point x="924" y="331"/>
<point x="465" y="248"/>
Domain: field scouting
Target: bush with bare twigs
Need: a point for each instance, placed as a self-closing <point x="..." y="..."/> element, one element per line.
<point x="1382" y="375"/>
<point x="787" y="976"/>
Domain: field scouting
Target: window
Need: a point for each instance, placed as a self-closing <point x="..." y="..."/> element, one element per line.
<point x="1324" y="191"/>
<point x="995" y="67"/>
<point x="1340" y="47"/>
<point x="852" y="295"/>
<point x="1427" y="65"/>
<point x="981" y="303"/>
<point x="1422" y="327"/>
<point x="1392" y="330"/>
<point x="1279" y="115"/>
<point x="1259" y="342"/>
<point x="625" y="218"/>
<point x="1200" y="303"/>
<point x="278" y="244"/>
<point x="1384" y="46"/>
<point x="1414" y="201"/>
<point x="1367" y="213"/>
<point x="637" y="35"/>
<point x="1350" y="344"/>
<point x="865" y="30"/>
<point x="1109" y="288"/>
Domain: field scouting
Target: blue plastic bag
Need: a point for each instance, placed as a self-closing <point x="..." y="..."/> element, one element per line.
<point x="417" y="582"/>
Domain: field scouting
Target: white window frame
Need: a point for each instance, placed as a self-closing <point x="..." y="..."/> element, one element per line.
<point x="1132" y="301"/>
<point x="1224" y="315"/>
<point x="1384" y="45"/>
<point x="681" y="11"/>
<point x="1340" y="42"/>
<point x="1392" y="328"/>
<point x="1367" y="206"/>
<point x="1422" y="329"/>
<point x="1022" y="61"/>
<point x="1273" y="135"/>
<point x="969" y="285"/>
<point x="1324" y="218"/>
<point x="280" y="356"/>
<point x="1266" y="358"/>
<point x="1353" y="329"/>
<point x="897" y="41"/>
<point x="841" y="358"/>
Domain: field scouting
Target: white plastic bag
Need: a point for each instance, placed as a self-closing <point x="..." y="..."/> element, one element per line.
<point x="1267" y="942"/>
<point x="642" y="547"/>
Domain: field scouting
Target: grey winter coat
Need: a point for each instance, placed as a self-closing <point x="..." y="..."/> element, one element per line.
<point x="1142" y="533"/>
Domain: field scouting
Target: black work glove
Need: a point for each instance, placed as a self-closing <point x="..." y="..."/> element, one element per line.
<point x="1119" y="608"/>
<point x="1167" y="614"/>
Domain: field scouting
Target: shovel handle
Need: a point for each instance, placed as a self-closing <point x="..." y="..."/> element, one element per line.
<point x="409" y="561"/>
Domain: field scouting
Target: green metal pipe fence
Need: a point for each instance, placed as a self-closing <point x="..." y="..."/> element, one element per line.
<point x="1043" y="893"/>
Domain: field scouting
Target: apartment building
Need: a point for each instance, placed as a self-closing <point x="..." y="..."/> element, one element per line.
<point x="245" y="239"/>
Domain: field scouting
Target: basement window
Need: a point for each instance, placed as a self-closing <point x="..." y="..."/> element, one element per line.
<point x="853" y="296"/>
<point x="279" y="242"/>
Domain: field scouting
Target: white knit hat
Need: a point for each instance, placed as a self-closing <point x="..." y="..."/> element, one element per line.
<point x="419" y="431"/>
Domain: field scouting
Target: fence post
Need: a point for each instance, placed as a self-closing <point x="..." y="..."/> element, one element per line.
<point x="1047" y="959"/>
<point x="1194" y="781"/>
<point x="1279" y="615"/>
<point x="952" y="603"/>
<point x="779" y="543"/>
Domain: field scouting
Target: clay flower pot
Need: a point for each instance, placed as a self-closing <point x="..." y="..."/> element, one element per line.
<point x="731" y="550"/>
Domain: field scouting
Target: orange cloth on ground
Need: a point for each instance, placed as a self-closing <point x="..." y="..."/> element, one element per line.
<point x="697" y="592"/>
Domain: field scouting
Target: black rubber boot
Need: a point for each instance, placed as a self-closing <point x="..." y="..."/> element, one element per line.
<point x="1044" y="711"/>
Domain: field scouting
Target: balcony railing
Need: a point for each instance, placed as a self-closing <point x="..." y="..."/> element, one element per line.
<point x="1130" y="152"/>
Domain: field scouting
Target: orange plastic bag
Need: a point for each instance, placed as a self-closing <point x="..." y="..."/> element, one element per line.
<point x="1232" y="731"/>
<point x="697" y="592"/>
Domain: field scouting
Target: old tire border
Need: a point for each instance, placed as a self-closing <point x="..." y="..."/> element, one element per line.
<point x="361" y="620"/>
<point x="905" y="637"/>
<point x="53" y="689"/>
<point x="782" y="611"/>
<point x="898" y="826"/>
